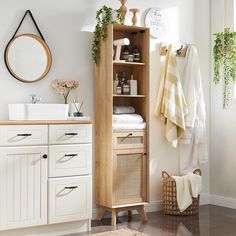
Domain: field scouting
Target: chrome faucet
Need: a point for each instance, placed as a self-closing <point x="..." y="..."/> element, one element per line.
<point x="34" y="99"/>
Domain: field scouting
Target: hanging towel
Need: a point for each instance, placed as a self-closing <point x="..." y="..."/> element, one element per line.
<point x="171" y="106"/>
<point x="195" y="152"/>
<point x="187" y="187"/>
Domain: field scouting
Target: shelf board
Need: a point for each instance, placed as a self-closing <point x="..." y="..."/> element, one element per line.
<point x="129" y="96"/>
<point x="126" y="63"/>
<point x="130" y="204"/>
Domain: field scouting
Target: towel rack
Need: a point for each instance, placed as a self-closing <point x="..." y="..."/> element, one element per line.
<point x="180" y="51"/>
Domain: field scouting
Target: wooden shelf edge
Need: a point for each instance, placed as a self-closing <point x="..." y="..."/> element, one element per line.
<point x="130" y="205"/>
<point x="125" y="63"/>
<point x="129" y="96"/>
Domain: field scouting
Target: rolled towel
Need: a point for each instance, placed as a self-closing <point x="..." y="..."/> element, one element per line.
<point x="127" y="119"/>
<point x="123" y="110"/>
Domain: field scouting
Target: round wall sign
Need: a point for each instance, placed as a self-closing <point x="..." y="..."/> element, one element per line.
<point x="158" y="22"/>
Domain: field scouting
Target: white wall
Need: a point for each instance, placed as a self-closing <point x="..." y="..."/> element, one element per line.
<point x="223" y="125"/>
<point x="67" y="27"/>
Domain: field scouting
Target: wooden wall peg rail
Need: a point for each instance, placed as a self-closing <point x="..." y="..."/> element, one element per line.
<point x="115" y="211"/>
<point x="180" y="52"/>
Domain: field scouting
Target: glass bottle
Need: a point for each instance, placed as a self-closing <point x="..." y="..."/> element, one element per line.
<point x="126" y="88"/>
<point x="125" y="53"/>
<point x="136" y="53"/>
<point x="119" y="88"/>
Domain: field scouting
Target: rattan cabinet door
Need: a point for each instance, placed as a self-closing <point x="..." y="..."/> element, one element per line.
<point x="130" y="176"/>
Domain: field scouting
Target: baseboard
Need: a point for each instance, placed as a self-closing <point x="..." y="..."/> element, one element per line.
<point x="223" y="201"/>
<point x="205" y="199"/>
<point x="154" y="206"/>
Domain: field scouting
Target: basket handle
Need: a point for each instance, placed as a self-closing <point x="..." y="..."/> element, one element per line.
<point x="198" y="172"/>
<point x="165" y="174"/>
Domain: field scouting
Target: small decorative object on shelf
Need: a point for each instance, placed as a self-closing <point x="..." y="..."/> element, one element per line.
<point x="130" y="58"/>
<point x="133" y="85"/>
<point x="224" y="53"/>
<point x="64" y="87"/>
<point x="125" y="53"/>
<point x="118" y="44"/>
<point x="115" y="84"/>
<point x="136" y="54"/>
<point x="119" y="88"/>
<point x="134" y="18"/>
<point x="126" y="88"/>
<point x="123" y="8"/>
<point x="75" y="109"/>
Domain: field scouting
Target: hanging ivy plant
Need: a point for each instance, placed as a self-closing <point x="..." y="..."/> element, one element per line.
<point x="104" y="17"/>
<point x="224" y="52"/>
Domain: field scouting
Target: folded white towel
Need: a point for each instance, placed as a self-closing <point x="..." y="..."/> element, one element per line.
<point x="187" y="187"/>
<point x="195" y="184"/>
<point x="127" y="119"/>
<point x="123" y="110"/>
<point x="129" y="126"/>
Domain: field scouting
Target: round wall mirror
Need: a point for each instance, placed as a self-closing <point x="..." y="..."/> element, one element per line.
<point x="28" y="58"/>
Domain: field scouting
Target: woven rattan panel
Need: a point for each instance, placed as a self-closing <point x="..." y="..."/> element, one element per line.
<point x="128" y="177"/>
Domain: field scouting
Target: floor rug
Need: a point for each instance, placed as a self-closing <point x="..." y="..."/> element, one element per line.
<point x="121" y="232"/>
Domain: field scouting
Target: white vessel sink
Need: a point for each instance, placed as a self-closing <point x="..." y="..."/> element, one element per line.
<point x="38" y="111"/>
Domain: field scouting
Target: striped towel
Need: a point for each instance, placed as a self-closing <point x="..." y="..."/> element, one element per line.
<point x="171" y="106"/>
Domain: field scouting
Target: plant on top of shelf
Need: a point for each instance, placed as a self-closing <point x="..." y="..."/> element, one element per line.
<point x="224" y="53"/>
<point x="105" y="16"/>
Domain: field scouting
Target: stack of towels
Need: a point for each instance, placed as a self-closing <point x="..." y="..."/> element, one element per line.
<point x="124" y="118"/>
<point x="187" y="187"/>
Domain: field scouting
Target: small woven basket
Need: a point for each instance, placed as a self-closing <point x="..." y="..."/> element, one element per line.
<point x="170" y="197"/>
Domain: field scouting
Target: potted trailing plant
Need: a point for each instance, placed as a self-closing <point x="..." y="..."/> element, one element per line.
<point x="105" y="16"/>
<point x="224" y="53"/>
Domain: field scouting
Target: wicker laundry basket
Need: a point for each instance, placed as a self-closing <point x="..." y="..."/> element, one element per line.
<point x="170" y="197"/>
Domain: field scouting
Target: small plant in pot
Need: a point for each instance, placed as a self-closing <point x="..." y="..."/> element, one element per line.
<point x="224" y="53"/>
<point x="105" y="16"/>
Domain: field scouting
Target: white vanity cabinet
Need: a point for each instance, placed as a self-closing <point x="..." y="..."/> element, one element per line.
<point x="45" y="176"/>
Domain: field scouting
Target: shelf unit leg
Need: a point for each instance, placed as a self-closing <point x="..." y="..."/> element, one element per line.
<point x="101" y="213"/>
<point x="113" y="217"/>
<point x="142" y="213"/>
<point x="130" y="214"/>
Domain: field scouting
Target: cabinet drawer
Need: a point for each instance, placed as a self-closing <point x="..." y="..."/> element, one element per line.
<point x="68" y="160"/>
<point x="69" y="134"/>
<point x="132" y="139"/>
<point x="70" y="199"/>
<point x="15" y="135"/>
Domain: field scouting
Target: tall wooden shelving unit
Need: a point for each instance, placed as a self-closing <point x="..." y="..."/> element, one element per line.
<point x="121" y="157"/>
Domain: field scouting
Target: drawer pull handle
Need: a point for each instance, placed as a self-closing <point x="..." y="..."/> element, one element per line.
<point x="130" y="134"/>
<point x="24" y="135"/>
<point x="71" y="134"/>
<point x="71" y="155"/>
<point x="71" y="187"/>
<point x="45" y="156"/>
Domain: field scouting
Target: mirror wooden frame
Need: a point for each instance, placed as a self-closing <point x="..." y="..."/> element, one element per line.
<point x="48" y="53"/>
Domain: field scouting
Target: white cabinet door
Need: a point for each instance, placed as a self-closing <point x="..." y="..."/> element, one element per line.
<point x="70" y="199"/>
<point x="23" y="187"/>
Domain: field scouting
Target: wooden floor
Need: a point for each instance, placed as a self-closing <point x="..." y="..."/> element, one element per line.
<point x="212" y="221"/>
